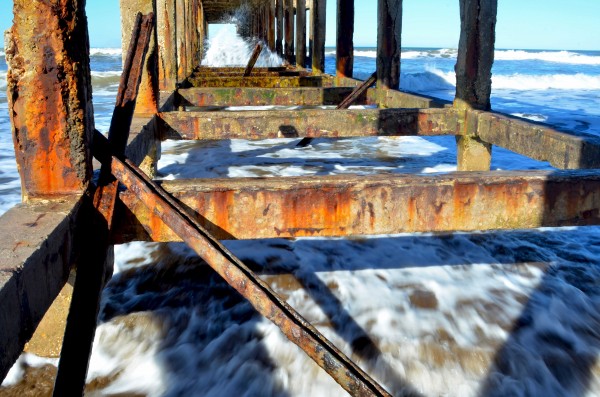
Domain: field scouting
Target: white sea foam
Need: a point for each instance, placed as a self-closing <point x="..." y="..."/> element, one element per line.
<point x="3" y="80"/>
<point x="436" y="79"/>
<point x="106" y="51"/>
<point x="547" y="56"/>
<point x="15" y="374"/>
<point x="524" y="82"/>
<point x="226" y="49"/>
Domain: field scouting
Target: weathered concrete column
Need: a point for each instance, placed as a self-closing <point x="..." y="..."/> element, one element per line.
<point x="318" y="26"/>
<point x="474" y="78"/>
<point x="279" y="41"/>
<point x="389" y="34"/>
<point x="288" y="19"/>
<point x="147" y="102"/>
<point x="301" y="33"/>
<point x="50" y="96"/>
<point x="167" y="45"/>
<point x="345" y="38"/>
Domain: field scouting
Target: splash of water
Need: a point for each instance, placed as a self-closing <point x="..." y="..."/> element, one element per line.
<point x="227" y="48"/>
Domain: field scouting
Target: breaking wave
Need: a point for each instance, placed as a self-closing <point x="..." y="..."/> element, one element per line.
<point x="227" y="49"/>
<point x="105" y="52"/>
<point x="435" y="79"/>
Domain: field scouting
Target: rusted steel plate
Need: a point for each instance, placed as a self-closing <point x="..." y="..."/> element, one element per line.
<point x="349" y="205"/>
<point x="537" y="141"/>
<point x="303" y="96"/>
<point x="266" y="82"/>
<point x="239" y="276"/>
<point x="308" y="123"/>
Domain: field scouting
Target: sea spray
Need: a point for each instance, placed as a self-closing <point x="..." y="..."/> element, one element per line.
<point x="226" y="49"/>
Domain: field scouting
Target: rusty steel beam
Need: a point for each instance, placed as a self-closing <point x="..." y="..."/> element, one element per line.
<point x="537" y="141"/>
<point x="303" y="96"/>
<point x="313" y="123"/>
<point x="352" y="205"/>
<point x="299" y="331"/>
<point x="93" y="272"/>
<point x="253" y="58"/>
<point x="265" y="82"/>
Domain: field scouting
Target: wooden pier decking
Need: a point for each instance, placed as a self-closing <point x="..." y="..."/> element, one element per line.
<point x="64" y="218"/>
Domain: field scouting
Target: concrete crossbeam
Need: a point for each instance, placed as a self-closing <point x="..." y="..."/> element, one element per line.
<point x="308" y="123"/>
<point x="350" y="205"/>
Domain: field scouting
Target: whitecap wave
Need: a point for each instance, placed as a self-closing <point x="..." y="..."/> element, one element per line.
<point x="101" y="79"/>
<point x="435" y="79"/>
<point x="2" y="53"/>
<point x="523" y="82"/>
<point x="547" y="56"/>
<point x="3" y="80"/>
<point x="106" y="51"/>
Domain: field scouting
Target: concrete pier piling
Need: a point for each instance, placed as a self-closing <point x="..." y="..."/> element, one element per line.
<point x="49" y="90"/>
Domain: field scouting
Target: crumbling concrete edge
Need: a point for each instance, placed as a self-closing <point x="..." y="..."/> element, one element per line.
<point x="38" y="248"/>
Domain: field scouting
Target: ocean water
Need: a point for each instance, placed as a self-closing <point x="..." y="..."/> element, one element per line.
<point x="466" y="314"/>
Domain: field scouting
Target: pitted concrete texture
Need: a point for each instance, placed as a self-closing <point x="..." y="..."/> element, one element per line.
<point x="37" y="250"/>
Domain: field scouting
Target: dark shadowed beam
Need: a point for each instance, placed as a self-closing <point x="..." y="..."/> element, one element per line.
<point x="351" y="205"/>
<point x="345" y="38"/>
<point x="301" y="33"/>
<point x="314" y="123"/>
<point x="389" y="34"/>
<point x="271" y="26"/>
<point x="288" y="21"/>
<point x="318" y="12"/>
<point x="279" y="15"/>
<point x="474" y="76"/>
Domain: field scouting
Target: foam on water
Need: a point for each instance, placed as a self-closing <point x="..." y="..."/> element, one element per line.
<point x="225" y="49"/>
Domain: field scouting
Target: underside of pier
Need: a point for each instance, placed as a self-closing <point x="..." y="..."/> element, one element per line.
<point x="69" y="219"/>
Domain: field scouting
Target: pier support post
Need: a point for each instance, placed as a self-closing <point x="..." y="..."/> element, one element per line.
<point x="345" y="38"/>
<point x="474" y="78"/>
<point x="271" y="28"/>
<point x="279" y="41"/>
<point x="50" y="97"/>
<point x="318" y="13"/>
<point x="301" y="33"/>
<point x="389" y="34"/>
<point x="289" y="31"/>
<point x="167" y="45"/>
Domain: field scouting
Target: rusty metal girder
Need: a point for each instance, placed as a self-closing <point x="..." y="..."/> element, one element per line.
<point x="239" y="276"/>
<point x="303" y="96"/>
<point x="351" y="205"/>
<point x="312" y="123"/>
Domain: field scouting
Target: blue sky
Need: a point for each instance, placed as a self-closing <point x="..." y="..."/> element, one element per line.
<point x="522" y="24"/>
